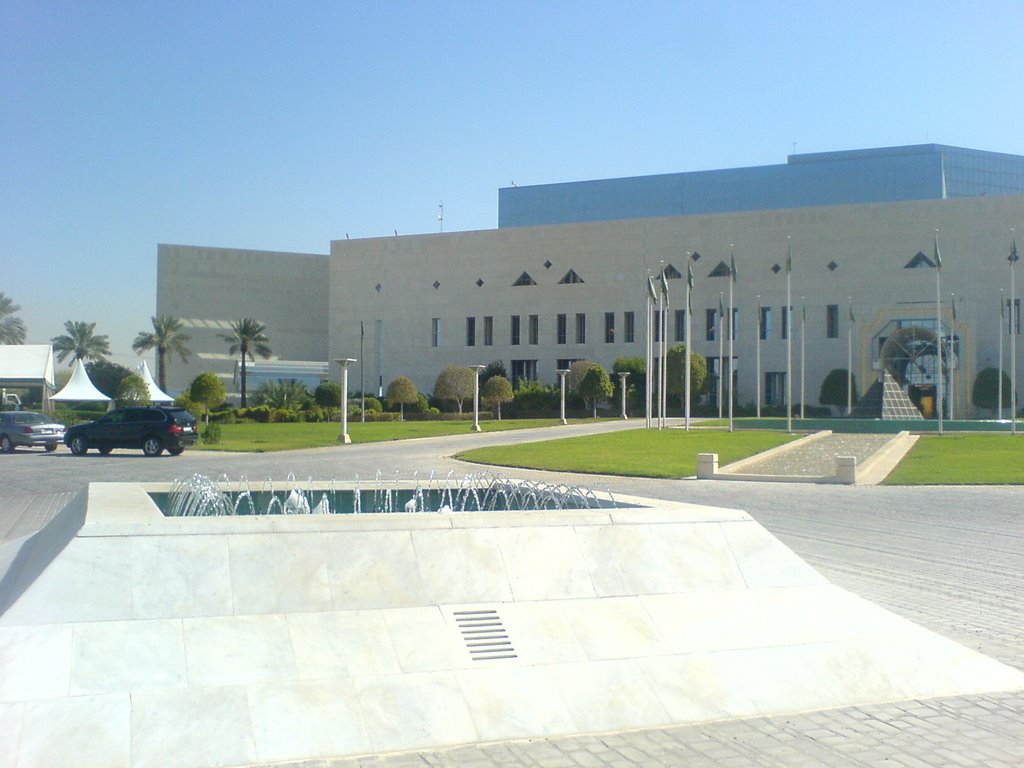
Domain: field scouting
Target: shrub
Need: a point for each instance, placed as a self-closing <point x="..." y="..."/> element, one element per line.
<point x="834" y="388"/>
<point x="284" y="416"/>
<point x="986" y="389"/>
<point x="211" y="434"/>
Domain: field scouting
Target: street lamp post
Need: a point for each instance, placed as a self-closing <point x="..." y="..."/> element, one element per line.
<point x="622" y="386"/>
<point x="562" y="373"/>
<point x="344" y="362"/>
<point x="476" y="396"/>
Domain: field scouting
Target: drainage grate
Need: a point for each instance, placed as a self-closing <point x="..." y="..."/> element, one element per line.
<point x="484" y="635"/>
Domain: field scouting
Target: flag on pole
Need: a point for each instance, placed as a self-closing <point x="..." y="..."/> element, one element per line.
<point x="938" y="257"/>
<point x="1002" y="306"/>
<point x="803" y="313"/>
<point x="852" y="318"/>
<point x="732" y="266"/>
<point x="952" y="300"/>
<point x="651" y="290"/>
<point x="664" y="286"/>
<point x="789" y="260"/>
<point x="689" y="286"/>
<point x="1013" y="252"/>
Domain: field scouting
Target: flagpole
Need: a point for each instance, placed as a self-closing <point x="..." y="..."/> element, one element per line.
<point x="1014" y="333"/>
<point x="757" y="347"/>
<point x="789" y="337"/>
<point x="686" y="375"/>
<point x="663" y="409"/>
<point x="660" y="360"/>
<point x="999" y="395"/>
<point x="803" y="352"/>
<point x="849" y="359"/>
<point x="721" y="360"/>
<point x="939" y="341"/>
<point x="648" y="374"/>
<point x="951" y="359"/>
<point x="732" y="334"/>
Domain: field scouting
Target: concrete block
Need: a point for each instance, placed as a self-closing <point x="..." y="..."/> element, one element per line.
<point x="707" y="466"/>
<point x="846" y="470"/>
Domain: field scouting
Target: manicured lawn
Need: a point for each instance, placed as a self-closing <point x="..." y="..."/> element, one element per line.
<point x="962" y="460"/>
<point x="285" y="437"/>
<point x="637" y="452"/>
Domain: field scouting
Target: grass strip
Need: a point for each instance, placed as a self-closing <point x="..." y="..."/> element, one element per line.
<point x="634" y="453"/>
<point x="255" y="438"/>
<point x="986" y="459"/>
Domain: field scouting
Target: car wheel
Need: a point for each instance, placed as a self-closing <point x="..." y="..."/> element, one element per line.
<point x="106" y="451"/>
<point x="51" y="447"/>
<point x="176" y="451"/>
<point x="152" y="446"/>
<point x="6" y="445"/>
<point x="79" y="445"/>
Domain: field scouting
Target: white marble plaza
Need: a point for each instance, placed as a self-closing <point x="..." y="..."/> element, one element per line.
<point x="130" y="639"/>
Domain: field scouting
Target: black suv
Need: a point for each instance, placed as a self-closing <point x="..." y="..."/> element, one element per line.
<point x="151" y="428"/>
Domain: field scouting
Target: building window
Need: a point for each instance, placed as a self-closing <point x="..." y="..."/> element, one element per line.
<point x="629" y="327"/>
<point x="515" y="331"/>
<point x="534" y="329"/>
<point x="657" y="326"/>
<point x="766" y="323"/>
<point x="562" y="329"/>
<point x="435" y="332"/>
<point x="470" y="331"/>
<point x="570" y="278"/>
<point x="609" y="327"/>
<point x="524" y="370"/>
<point x="564" y="363"/>
<point x="775" y="388"/>
<point x="832" y="321"/>
<point x="680" y="324"/>
<point x="524" y="279"/>
<point x="488" y="331"/>
<point x="581" y="328"/>
<point x="712" y="324"/>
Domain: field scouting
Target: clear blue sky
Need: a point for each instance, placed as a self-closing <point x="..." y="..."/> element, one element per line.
<point x="284" y="125"/>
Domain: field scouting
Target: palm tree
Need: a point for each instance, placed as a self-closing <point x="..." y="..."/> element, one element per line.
<point x="247" y="336"/>
<point x="80" y="342"/>
<point x="165" y="338"/>
<point x="12" y="329"/>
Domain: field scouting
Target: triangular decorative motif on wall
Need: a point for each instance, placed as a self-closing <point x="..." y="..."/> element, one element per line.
<point x="525" y="279"/>
<point x="920" y="261"/>
<point x="570" y="277"/>
<point x="722" y="270"/>
<point x="671" y="273"/>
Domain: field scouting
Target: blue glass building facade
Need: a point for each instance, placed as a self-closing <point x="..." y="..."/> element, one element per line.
<point x="892" y="174"/>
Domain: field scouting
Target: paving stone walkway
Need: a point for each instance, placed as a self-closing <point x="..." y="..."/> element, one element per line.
<point x="817" y="457"/>
<point x="947" y="558"/>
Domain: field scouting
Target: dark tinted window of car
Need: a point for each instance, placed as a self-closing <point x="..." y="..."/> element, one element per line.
<point x="151" y="416"/>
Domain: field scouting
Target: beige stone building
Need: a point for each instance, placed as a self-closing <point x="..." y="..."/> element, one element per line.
<point x="537" y="297"/>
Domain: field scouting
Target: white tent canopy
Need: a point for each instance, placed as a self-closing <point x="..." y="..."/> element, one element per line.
<point x="26" y="364"/>
<point x="80" y="387"/>
<point x="156" y="394"/>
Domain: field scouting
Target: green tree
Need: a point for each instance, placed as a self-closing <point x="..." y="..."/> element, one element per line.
<point x="401" y="391"/>
<point x="455" y="383"/>
<point x="81" y="342"/>
<point x="496" y="390"/>
<point x="12" y="328"/>
<point x="834" y="388"/>
<point x="106" y="376"/>
<point x="207" y="390"/>
<point x="986" y="389"/>
<point x="577" y="370"/>
<point x="288" y="394"/>
<point x="594" y="385"/>
<point x="167" y="339"/>
<point x="677" y="373"/>
<point x="494" y="368"/>
<point x="132" y="390"/>
<point x="248" y="337"/>
<point x="636" y="383"/>
<point x="328" y="396"/>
